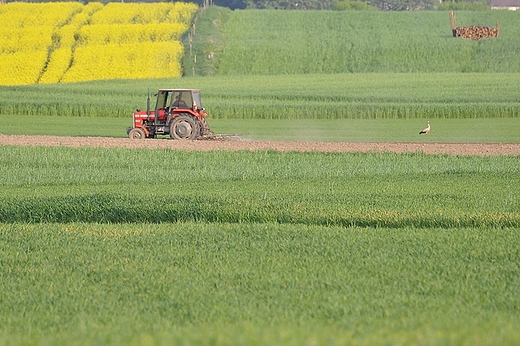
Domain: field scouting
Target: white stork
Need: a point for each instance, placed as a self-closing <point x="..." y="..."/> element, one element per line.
<point x="426" y="130"/>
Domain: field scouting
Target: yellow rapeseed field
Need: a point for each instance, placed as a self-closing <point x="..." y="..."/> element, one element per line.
<point x="72" y="42"/>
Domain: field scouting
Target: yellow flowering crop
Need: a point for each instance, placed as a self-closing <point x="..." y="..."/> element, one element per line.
<point x="57" y="66"/>
<point x="64" y="40"/>
<point x="22" y="14"/>
<point x="126" y="61"/>
<point x="22" y="67"/>
<point x="129" y="33"/>
<point x="122" y="13"/>
<point x="33" y="38"/>
<point x="84" y="16"/>
<point x="70" y="42"/>
<point x="181" y="13"/>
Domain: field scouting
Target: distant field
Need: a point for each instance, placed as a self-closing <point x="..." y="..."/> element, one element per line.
<point x="300" y="42"/>
<point x="321" y="96"/>
<point x="76" y="42"/>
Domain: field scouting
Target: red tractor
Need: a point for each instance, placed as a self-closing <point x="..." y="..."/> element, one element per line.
<point x="178" y="112"/>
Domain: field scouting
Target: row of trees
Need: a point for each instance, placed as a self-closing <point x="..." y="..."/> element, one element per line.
<point x="389" y="5"/>
<point x="341" y="5"/>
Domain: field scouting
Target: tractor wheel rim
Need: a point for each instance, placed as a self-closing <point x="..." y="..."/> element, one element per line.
<point x="137" y="134"/>
<point x="183" y="129"/>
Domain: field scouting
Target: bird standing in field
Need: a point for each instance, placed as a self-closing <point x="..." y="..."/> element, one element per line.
<point x="426" y="130"/>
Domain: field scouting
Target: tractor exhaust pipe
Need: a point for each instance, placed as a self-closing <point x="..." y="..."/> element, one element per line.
<point x="148" y="103"/>
<point x="156" y="114"/>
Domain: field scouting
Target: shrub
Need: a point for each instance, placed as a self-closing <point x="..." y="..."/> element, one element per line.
<point x="353" y="5"/>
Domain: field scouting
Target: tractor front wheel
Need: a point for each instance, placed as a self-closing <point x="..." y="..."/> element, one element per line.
<point x="185" y="126"/>
<point x="136" y="133"/>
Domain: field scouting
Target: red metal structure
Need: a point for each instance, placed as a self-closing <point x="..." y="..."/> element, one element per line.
<point x="178" y="112"/>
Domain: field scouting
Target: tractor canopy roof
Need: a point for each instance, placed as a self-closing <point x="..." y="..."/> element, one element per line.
<point x="177" y="90"/>
<point x="180" y="98"/>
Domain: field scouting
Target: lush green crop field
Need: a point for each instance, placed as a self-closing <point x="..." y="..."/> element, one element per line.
<point x="341" y="96"/>
<point x="114" y="246"/>
<point x="364" y="96"/>
<point x="200" y="283"/>
<point x="300" y="42"/>
<point x="113" y="185"/>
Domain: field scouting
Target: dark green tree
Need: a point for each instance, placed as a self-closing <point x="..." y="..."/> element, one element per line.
<point x="232" y="4"/>
<point x="353" y="5"/>
<point x="291" y="4"/>
<point x="404" y="5"/>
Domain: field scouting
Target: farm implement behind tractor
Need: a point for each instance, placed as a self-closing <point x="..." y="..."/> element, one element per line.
<point x="178" y="113"/>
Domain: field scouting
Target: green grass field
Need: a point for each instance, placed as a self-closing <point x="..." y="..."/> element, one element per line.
<point x="341" y="96"/>
<point x="113" y="185"/>
<point x="257" y="284"/>
<point x="103" y="246"/>
<point x="487" y="130"/>
<point x="301" y="42"/>
<point x="160" y="247"/>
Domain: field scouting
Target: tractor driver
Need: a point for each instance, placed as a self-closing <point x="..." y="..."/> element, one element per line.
<point x="179" y="102"/>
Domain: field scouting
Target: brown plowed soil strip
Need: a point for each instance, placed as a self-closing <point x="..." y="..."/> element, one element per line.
<point x="480" y="149"/>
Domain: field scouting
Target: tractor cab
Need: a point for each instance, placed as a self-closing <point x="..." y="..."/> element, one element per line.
<point x="177" y="112"/>
<point x="176" y="98"/>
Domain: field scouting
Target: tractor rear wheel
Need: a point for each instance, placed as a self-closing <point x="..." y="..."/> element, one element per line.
<point x="184" y="126"/>
<point x="136" y="133"/>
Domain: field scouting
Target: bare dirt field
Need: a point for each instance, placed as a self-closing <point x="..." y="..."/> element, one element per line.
<point x="480" y="149"/>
